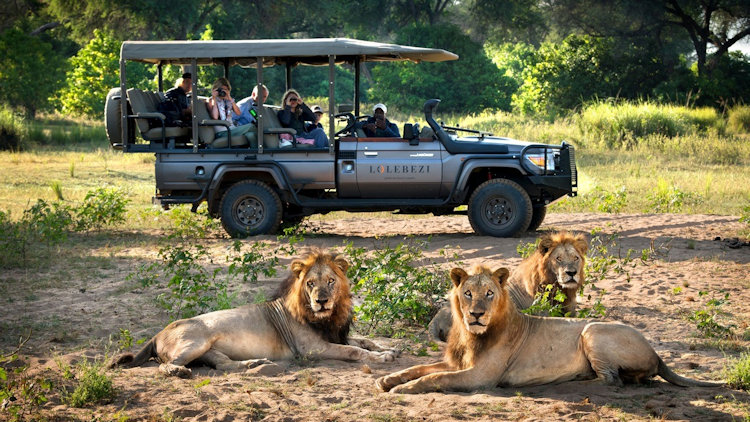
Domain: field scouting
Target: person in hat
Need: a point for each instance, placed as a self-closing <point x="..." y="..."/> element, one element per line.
<point x="318" y="111"/>
<point x="378" y="126"/>
<point x="178" y="94"/>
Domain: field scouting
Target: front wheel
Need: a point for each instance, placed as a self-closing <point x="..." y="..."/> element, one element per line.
<point x="250" y="208"/>
<point x="500" y="208"/>
<point x="537" y="218"/>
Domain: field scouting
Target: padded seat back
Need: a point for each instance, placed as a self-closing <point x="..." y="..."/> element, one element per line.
<point x="206" y="134"/>
<point x="270" y="121"/>
<point x="140" y="102"/>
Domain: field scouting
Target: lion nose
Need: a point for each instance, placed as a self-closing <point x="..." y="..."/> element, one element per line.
<point x="476" y="314"/>
<point x="321" y="301"/>
<point x="571" y="273"/>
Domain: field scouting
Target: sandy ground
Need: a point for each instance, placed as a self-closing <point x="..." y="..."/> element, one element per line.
<point x="72" y="320"/>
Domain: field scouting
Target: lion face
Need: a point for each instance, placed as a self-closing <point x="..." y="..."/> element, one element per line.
<point x="321" y="279"/>
<point x="478" y="296"/>
<point x="565" y="258"/>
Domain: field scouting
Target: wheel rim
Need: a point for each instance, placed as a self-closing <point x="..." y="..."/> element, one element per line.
<point x="250" y="211"/>
<point x="498" y="211"/>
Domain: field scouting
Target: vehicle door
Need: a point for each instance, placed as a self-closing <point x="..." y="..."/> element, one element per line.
<point x="396" y="168"/>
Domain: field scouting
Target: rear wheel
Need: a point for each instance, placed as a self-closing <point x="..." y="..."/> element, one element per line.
<point x="250" y="208"/>
<point x="537" y="217"/>
<point x="500" y="208"/>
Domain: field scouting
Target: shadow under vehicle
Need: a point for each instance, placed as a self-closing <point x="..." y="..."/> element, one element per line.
<point x="255" y="184"/>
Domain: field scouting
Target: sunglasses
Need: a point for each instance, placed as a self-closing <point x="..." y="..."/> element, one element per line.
<point x="294" y="99"/>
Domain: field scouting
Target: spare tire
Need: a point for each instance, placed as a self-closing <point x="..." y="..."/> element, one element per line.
<point x="113" y="117"/>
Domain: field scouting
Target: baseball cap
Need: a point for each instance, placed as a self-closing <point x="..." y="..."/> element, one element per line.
<point x="317" y="109"/>
<point x="380" y="106"/>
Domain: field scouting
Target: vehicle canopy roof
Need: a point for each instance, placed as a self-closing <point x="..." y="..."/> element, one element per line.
<point x="311" y="51"/>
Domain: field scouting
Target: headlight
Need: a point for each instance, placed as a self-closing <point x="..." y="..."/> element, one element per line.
<point x="542" y="161"/>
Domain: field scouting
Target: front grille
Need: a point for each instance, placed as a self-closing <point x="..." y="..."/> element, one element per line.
<point x="573" y="171"/>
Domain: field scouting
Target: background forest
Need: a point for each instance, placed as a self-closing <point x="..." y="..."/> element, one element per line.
<point x="544" y="58"/>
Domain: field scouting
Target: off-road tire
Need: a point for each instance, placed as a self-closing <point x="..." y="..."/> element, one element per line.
<point x="113" y="117"/>
<point x="249" y="208"/>
<point x="537" y="218"/>
<point x="500" y="208"/>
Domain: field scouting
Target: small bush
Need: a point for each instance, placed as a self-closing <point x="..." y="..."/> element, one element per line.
<point x="738" y="119"/>
<point x="101" y="207"/>
<point x="187" y="224"/>
<point x="396" y="284"/>
<point x="737" y="374"/>
<point x="12" y="130"/>
<point x="93" y="385"/>
<point x="20" y="393"/>
<point x="708" y="318"/>
<point x="669" y="198"/>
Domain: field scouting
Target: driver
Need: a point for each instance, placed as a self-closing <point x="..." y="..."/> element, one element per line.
<point x="378" y="126"/>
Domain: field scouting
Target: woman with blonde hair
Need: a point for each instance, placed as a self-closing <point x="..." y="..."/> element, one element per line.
<point x="294" y="114"/>
<point x="221" y="106"/>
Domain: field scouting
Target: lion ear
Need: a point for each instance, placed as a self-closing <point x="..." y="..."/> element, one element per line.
<point x="545" y="244"/>
<point x="458" y="274"/>
<point x="341" y="262"/>
<point x="501" y="275"/>
<point x="297" y="266"/>
<point x="581" y="245"/>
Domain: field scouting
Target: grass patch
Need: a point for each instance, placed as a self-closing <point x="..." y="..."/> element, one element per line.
<point x="737" y="373"/>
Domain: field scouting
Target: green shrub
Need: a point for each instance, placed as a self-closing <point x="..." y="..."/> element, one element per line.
<point x="187" y="224"/>
<point x="669" y="198"/>
<point x="738" y="119"/>
<point x="101" y="207"/>
<point x="12" y="130"/>
<point x="737" y="374"/>
<point x="20" y="393"/>
<point x="93" y="385"/>
<point x="708" y="318"/>
<point x="397" y="285"/>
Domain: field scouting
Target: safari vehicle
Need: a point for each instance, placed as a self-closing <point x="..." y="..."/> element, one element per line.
<point x="254" y="187"/>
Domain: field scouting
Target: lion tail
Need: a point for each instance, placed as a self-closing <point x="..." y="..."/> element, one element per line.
<point x="675" y="379"/>
<point x="128" y="360"/>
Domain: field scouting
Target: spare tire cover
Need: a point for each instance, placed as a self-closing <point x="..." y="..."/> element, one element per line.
<point x="113" y="117"/>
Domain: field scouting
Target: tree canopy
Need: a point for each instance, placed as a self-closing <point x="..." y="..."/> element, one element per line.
<point x="526" y="55"/>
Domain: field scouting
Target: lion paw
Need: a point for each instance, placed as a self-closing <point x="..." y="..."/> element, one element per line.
<point x="387" y="356"/>
<point x="382" y="385"/>
<point x="175" y="370"/>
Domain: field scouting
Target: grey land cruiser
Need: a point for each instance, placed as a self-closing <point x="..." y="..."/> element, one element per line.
<point x="254" y="187"/>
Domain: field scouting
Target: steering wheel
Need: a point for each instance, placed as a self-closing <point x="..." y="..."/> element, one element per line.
<point x="351" y="121"/>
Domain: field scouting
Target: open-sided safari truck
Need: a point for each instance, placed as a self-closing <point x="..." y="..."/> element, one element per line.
<point x="255" y="186"/>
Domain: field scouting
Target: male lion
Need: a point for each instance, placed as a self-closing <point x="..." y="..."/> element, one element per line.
<point x="558" y="261"/>
<point x="310" y="317"/>
<point x="492" y="344"/>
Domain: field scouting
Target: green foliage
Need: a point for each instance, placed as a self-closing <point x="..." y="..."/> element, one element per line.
<point x="606" y="201"/>
<point x="469" y="85"/>
<point x="525" y="250"/>
<point x="707" y="319"/>
<point x="546" y="305"/>
<point x="670" y="198"/>
<point x="187" y="224"/>
<point x="30" y="71"/>
<point x="94" y="71"/>
<point x="582" y="68"/>
<point x="737" y="372"/>
<point x="93" y="385"/>
<point x="192" y="289"/>
<point x="20" y="393"/>
<point x="625" y="124"/>
<point x="249" y="264"/>
<point x="12" y="129"/>
<point x="101" y="207"/>
<point x="41" y="223"/>
<point x="738" y="119"/>
<point x="397" y="284"/>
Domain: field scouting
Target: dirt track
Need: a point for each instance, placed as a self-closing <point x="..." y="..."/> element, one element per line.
<point x="73" y="313"/>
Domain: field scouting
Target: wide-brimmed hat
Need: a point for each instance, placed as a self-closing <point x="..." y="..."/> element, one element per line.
<point x="380" y="106"/>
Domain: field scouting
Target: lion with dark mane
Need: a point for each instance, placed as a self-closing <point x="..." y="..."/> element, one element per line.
<point x="557" y="264"/>
<point x="492" y="344"/>
<point x="310" y="316"/>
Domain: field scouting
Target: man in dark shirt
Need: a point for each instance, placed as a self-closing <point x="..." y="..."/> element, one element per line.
<point x="380" y="127"/>
<point x="178" y="94"/>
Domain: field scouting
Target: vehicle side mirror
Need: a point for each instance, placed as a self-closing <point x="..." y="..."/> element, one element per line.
<point x="345" y="108"/>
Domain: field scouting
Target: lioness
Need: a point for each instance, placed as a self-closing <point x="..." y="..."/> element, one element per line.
<point x="311" y="317"/>
<point x="558" y="261"/>
<point x="492" y="344"/>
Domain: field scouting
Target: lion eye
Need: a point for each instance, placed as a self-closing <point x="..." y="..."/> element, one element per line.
<point x="558" y="259"/>
<point x="467" y="293"/>
<point x="575" y="258"/>
<point x="490" y="293"/>
<point x="331" y="281"/>
<point x="310" y="284"/>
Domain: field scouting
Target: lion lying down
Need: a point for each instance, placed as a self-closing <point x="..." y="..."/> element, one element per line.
<point x="491" y="343"/>
<point x="311" y="317"/>
<point x="558" y="261"/>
